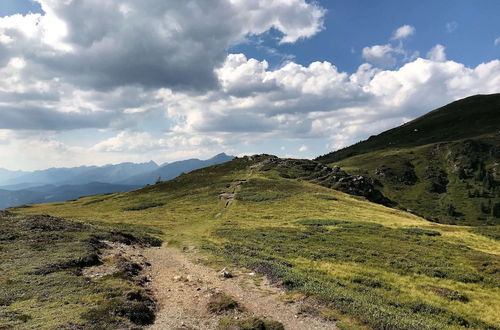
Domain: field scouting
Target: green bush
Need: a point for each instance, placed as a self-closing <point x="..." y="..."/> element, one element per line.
<point x="143" y="207"/>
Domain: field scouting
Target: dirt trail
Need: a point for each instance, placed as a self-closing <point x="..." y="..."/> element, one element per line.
<point x="229" y="195"/>
<point x="183" y="287"/>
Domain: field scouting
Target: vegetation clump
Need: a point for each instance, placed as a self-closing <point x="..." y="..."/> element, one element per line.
<point x="220" y="303"/>
<point x="250" y="324"/>
<point x="293" y="257"/>
<point x="420" y="231"/>
<point x="325" y="197"/>
<point x="321" y="223"/>
<point x="42" y="259"/>
<point x="143" y="207"/>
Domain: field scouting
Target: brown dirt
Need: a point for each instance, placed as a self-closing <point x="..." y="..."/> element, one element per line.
<point x="229" y="195"/>
<point x="183" y="287"/>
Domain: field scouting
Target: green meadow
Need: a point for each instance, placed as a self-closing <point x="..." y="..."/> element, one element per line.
<point x="367" y="265"/>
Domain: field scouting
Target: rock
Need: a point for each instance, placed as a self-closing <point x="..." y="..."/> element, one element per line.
<point x="225" y="273"/>
<point x="179" y="278"/>
<point x="191" y="278"/>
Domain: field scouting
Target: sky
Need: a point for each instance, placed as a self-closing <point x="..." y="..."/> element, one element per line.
<point x="92" y="82"/>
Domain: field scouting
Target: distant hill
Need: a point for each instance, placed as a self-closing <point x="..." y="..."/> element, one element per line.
<point x="81" y="175"/>
<point x="6" y="175"/>
<point x="61" y="184"/>
<point x="444" y="165"/>
<point x="172" y="170"/>
<point x="51" y="193"/>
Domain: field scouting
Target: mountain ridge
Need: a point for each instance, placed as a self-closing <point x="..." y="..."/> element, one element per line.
<point x="444" y="166"/>
<point x="465" y="118"/>
<point x="93" y="180"/>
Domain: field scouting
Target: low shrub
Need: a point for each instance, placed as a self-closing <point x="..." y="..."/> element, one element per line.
<point x="143" y="207"/>
<point x="220" y="303"/>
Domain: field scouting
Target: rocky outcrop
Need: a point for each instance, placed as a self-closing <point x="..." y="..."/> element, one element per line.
<point x="318" y="173"/>
<point x="405" y="175"/>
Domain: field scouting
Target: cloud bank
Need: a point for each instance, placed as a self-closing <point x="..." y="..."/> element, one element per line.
<point x="157" y="77"/>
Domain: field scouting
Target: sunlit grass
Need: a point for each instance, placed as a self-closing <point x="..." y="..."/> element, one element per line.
<point x="192" y="214"/>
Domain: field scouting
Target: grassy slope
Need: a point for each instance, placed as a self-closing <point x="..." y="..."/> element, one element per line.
<point x="381" y="266"/>
<point x="453" y="155"/>
<point x="470" y="192"/>
<point x="466" y="118"/>
<point x="41" y="282"/>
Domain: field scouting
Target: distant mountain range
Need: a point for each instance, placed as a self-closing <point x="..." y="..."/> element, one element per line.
<point x="60" y="184"/>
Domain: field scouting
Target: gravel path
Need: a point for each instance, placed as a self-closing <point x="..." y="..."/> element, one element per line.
<point x="184" y="286"/>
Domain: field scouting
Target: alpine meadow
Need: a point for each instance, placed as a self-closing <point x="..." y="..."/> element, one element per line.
<point x="355" y="182"/>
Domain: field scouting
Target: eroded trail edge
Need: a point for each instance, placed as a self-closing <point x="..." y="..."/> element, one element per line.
<point x="184" y="289"/>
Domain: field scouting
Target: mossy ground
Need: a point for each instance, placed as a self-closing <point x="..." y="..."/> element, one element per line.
<point x="41" y="282"/>
<point x="378" y="266"/>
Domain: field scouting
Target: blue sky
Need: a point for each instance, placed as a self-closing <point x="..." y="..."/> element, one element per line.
<point x="165" y="80"/>
<point x="351" y="25"/>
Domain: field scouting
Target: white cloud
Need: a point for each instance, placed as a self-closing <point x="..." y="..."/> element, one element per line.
<point x="497" y="41"/>
<point x="381" y="55"/>
<point x="437" y="53"/>
<point x="143" y="142"/>
<point x="291" y="103"/>
<point x="303" y="148"/>
<point x="88" y="64"/>
<point x="390" y="54"/>
<point x="403" y="32"/>
<point x="318" y="101"/>
<point x="451" y="26"/>
<point x="119" y="67"/>
<point x="177" y="45"/>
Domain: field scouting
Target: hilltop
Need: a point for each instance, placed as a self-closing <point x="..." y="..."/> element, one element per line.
<point x="467" y="118"/>
<point x="443" y="166"/>
<point x="335" y="256"/>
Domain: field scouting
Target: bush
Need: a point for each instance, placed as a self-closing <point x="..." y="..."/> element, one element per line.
<point x="419" y="231"/>
<point x="220" y="303"/>
<point x="319" y="223"/>
<point x="250" y="324"/>
<point x="143" y="207"/>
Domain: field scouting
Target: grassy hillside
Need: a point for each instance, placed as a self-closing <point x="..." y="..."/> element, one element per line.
<point x="368" y="265"/>
<point x="466" y="118"/>
<point x="443" y="166"/>
<point x="456" y="182"/>
<point x="42" y="285"/>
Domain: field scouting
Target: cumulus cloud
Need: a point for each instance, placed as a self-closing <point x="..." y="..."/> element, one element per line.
<point x="94" y="64"/>
<point x="382" y="55"/>
<point x="149" y="43"/>
<point x="144" y="141"/>
<point x="315" y="101"/>
<point x="388" y="55"/>
<point x="301" y="103"/>
<point x="437" y="53"/>
<point x="403" y="32"/>
<point x="122" y="67"/>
